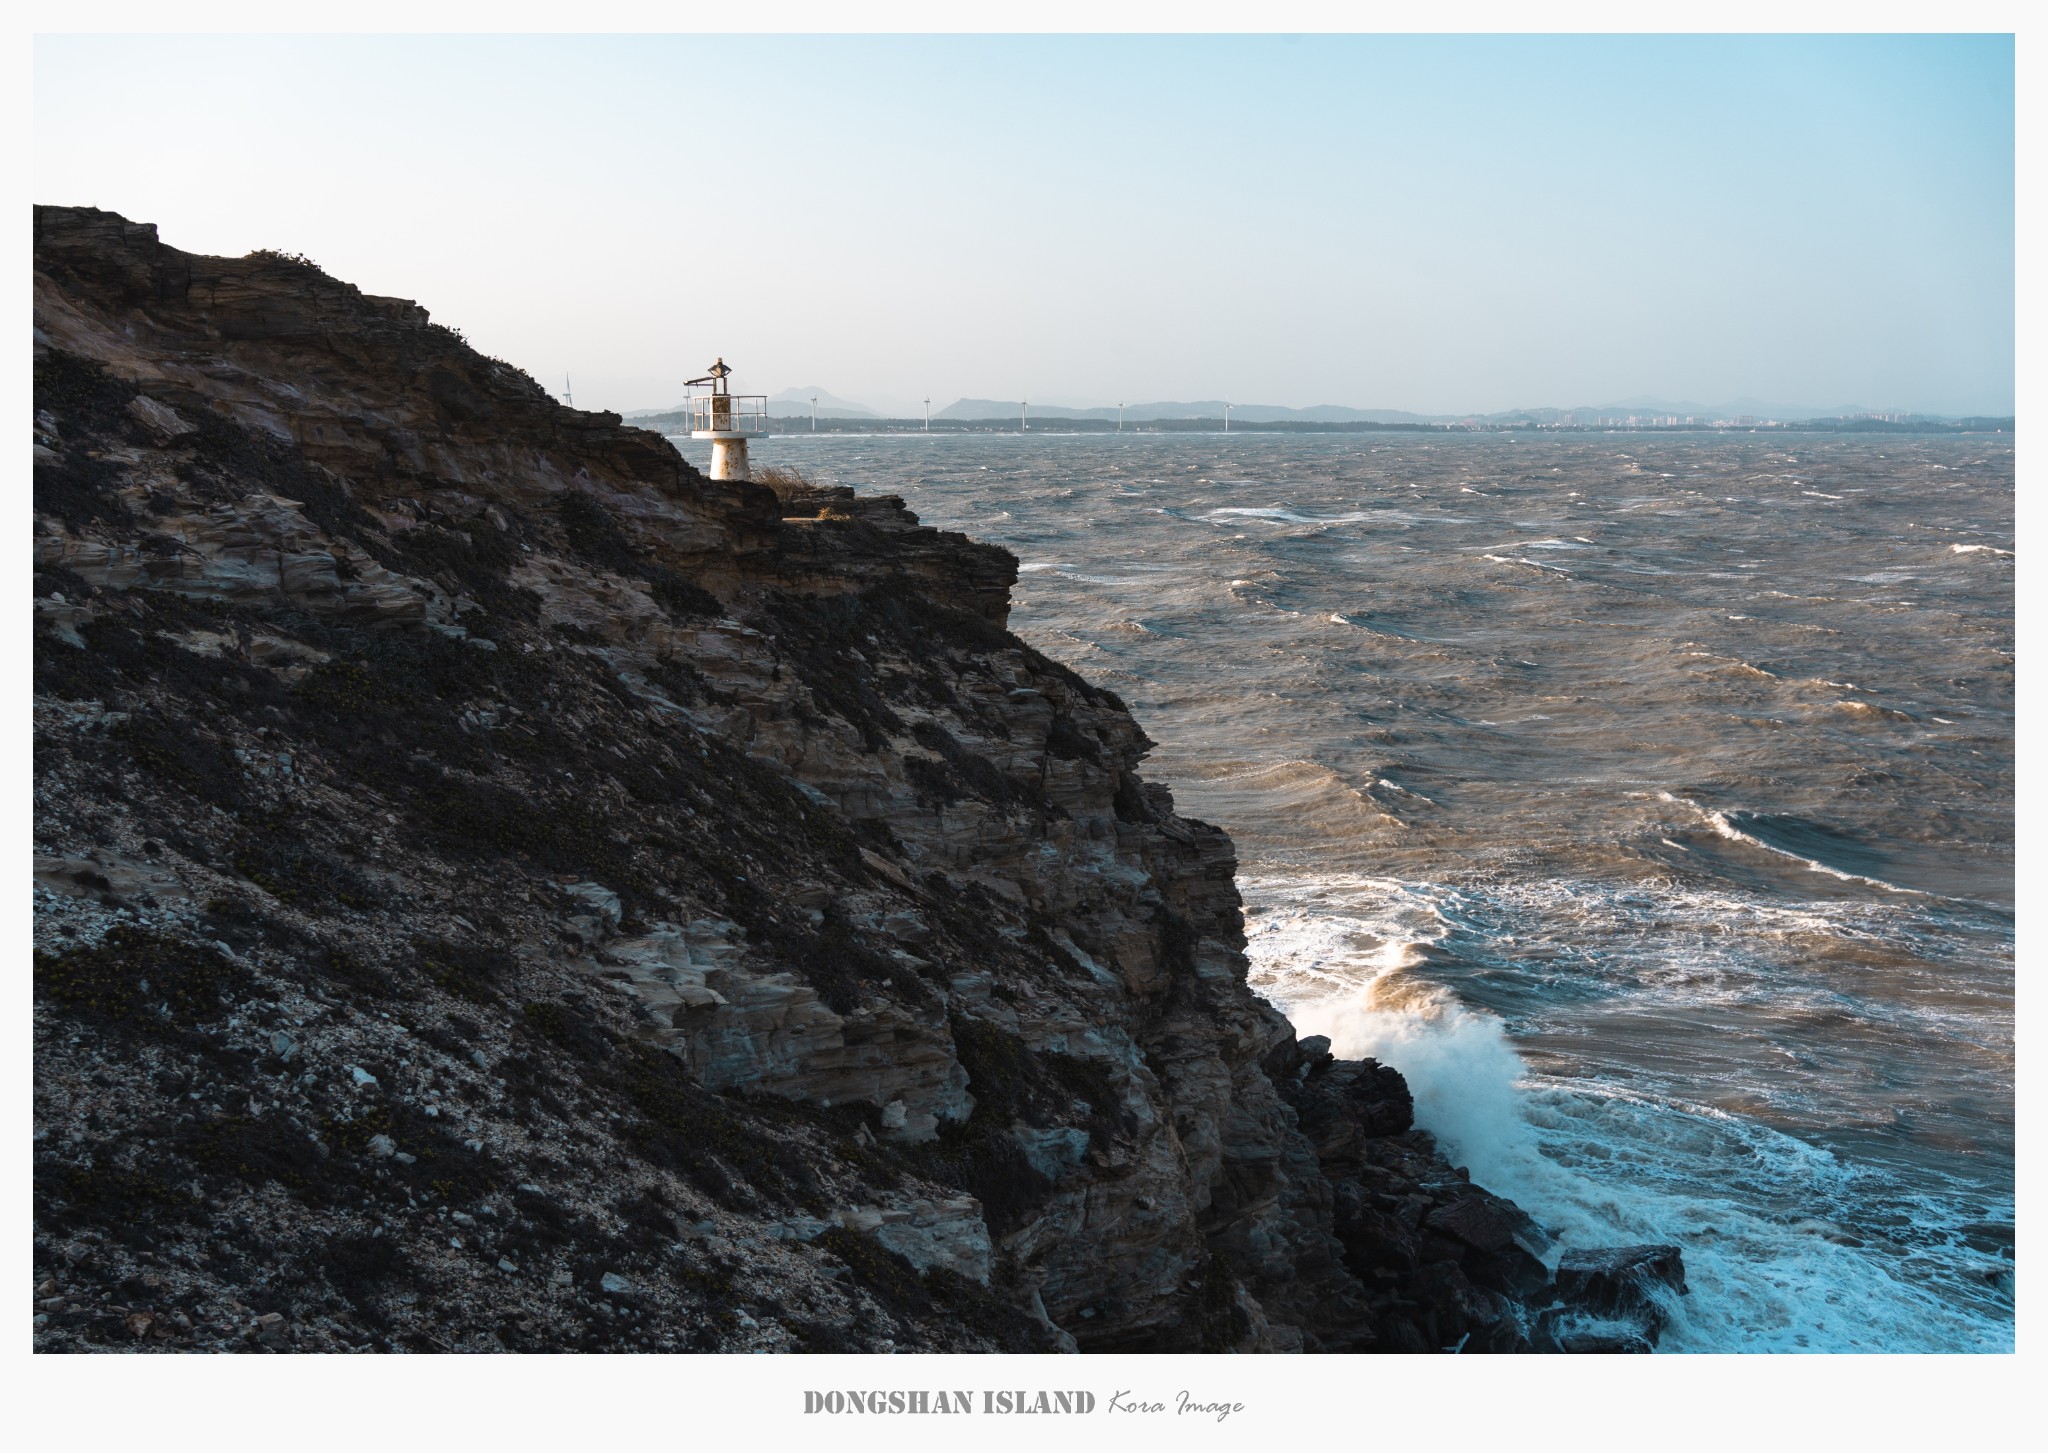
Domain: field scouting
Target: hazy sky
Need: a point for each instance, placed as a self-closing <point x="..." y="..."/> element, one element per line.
<point x="1435" y="224"/>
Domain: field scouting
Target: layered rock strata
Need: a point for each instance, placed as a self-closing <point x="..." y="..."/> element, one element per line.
<point x="499" y="888"/>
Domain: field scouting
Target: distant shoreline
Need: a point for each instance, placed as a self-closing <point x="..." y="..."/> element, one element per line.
<point x="805" y="425"/>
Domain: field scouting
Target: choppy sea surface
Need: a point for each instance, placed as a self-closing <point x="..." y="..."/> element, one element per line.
<point x="1646" y="799"/>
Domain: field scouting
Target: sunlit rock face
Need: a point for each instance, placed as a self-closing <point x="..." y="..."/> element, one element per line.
<point x="499" y="888"/>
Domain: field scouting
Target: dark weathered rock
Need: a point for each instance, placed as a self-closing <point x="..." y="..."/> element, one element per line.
<point x="1598" y="1342"/>
<point x="1622" y="1282"/>
<point x="555" y="871"/>
<point x="1342" y="1103"/>
<point x="1381" y="1096"/>
<point x="1479" y="1220"/>
<point x="1616" y="1278"/>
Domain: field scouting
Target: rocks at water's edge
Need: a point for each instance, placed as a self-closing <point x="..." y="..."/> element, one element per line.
<point x="497" y="888"/>
<point x="1614" y="1298"/>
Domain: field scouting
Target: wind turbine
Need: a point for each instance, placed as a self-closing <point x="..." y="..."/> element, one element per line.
<point x="1024" y="418"/>
<point x="1119" y="416"/>
<point x="927" y="415"/>
<point x="814" y="413"/>
<point x="568" y="393"/>
<point x="1226" y="417"/>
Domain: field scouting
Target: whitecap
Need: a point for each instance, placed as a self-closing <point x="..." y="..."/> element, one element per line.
<point x="1721" y="824"/>
<point x="1284" y="516"/>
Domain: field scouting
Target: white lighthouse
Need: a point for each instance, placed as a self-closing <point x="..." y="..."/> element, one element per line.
<point x="728" y="420"/>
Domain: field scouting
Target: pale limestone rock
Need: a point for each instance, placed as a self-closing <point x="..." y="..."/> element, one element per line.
<point x="161" y="420"/>
<point x="260" y="546"/>
<point x="771" y="1032"/>
<point x="774" y="1034"/>
<point x="62" y="619"/>
<point x="601" y="913"/>
<point x="107" y="873"/>
<point x="949" y="1233"/>
<point x="1055" y="1153"/>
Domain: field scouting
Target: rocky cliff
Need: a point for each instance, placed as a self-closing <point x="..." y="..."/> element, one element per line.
<point x="496" y="887"/>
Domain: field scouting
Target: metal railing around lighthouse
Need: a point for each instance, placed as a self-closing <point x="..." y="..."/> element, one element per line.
<point x="729" y="414"/>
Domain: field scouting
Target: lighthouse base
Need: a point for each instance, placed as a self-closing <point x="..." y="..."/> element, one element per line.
<point x="729" y="459"/>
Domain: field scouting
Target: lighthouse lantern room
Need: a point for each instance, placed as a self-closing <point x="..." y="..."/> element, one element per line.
<point x="728" y="420"/>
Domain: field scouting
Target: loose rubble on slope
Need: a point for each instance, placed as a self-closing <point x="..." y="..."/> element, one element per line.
<point x="497" y="888"/>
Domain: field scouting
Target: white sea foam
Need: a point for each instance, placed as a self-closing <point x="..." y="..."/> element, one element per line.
<point x="1973" y="549"/>
<point x="1599" y="1167"/>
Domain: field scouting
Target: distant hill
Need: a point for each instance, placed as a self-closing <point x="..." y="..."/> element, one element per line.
<point x="792" y="402"/>
<point x="1196" y="409"/>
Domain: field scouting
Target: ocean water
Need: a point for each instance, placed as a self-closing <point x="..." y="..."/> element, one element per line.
<point x="1646" y="799"/>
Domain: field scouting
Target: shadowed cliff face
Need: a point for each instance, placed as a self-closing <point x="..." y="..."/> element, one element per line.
<point x="497" y="887"/>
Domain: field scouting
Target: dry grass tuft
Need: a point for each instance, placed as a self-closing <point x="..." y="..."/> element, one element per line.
<point x="781" y="478"/>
